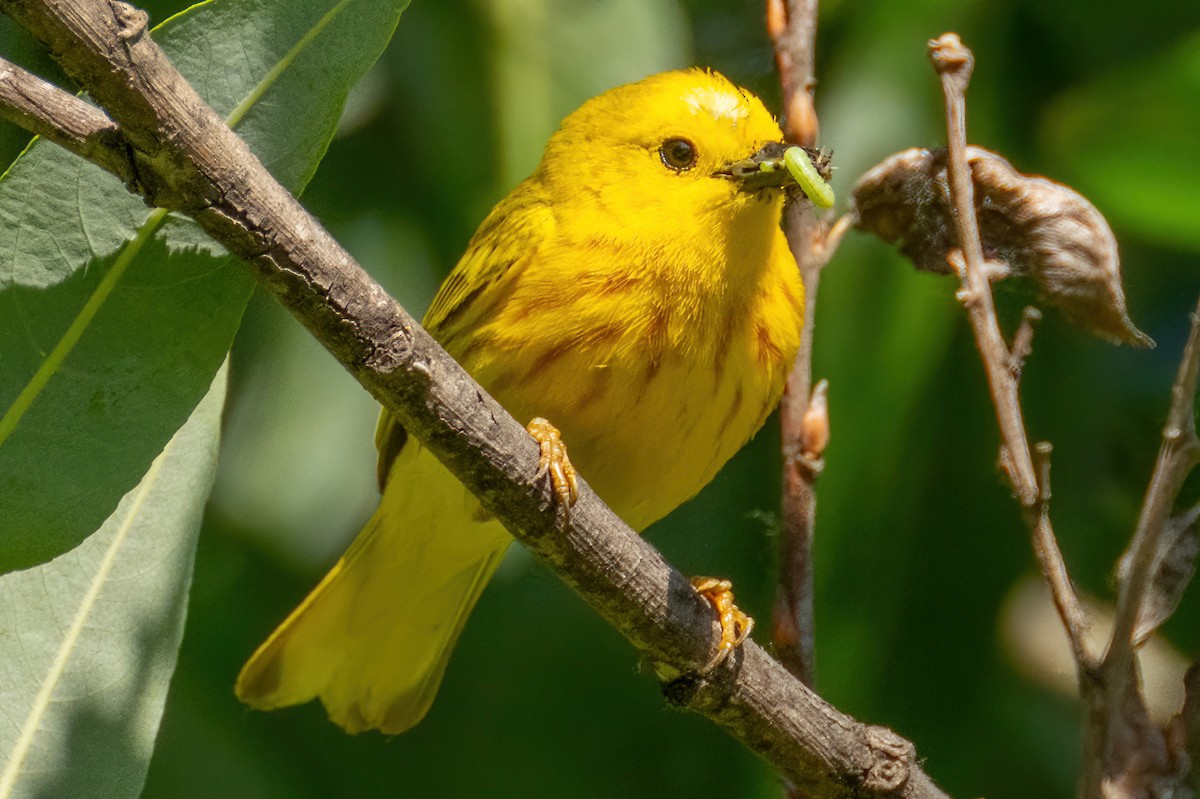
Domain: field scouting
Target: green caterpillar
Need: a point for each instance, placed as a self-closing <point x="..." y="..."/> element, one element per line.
<point x="815" y="187"/>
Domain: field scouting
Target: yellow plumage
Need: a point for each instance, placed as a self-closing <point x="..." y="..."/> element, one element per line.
<point x="645" y="304"/>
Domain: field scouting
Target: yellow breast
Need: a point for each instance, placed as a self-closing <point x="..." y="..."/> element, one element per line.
<point x="655" y="383"/>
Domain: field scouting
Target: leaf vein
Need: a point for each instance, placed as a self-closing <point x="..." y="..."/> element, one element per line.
<point x="45" y="696"/>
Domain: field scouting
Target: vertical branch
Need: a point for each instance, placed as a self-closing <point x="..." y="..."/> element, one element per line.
<point x="1178" y="455"/>
<point x="954" y="63"/>
<point x="792" y="25"/>
<point x="1126" y="754"/>
<point x="1122" y="746"/>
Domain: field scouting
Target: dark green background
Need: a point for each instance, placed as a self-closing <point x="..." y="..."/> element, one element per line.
<point x="919" y="544"/>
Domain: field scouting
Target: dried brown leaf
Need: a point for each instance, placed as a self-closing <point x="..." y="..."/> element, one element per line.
<point x="1174" y="566"/>
<point x="1033" y="227"/>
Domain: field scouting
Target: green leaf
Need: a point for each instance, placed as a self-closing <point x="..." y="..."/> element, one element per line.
<point x="114" y="317"/>
<point x="88" y="641"/>
<point x="1129" y="143"/>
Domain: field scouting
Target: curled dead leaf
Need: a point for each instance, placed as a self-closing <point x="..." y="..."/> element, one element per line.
<point x="1174" y="565"/>
<point x="1033" y="227"/>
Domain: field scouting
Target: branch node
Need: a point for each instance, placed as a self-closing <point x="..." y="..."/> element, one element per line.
<point x="777" y="18"/>
<point x="131" y="21"/>
<point x="832" y="235"/>
<point x="1022" y="345"/>
<point x="951" y="58"/>
<point x="969" y="295"/>
<point x="814" y="426"/>
<point x="893" y="761"/>
<point x="1041" y="461"/>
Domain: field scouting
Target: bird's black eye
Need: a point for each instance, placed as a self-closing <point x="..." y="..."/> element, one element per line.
<point x="678" y="154"/>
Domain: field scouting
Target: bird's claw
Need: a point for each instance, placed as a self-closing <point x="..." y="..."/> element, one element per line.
<point x="735" y="625"/>
<point x="555" y="463"/>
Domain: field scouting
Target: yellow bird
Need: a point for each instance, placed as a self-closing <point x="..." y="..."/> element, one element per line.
<point x="637" y="291"/>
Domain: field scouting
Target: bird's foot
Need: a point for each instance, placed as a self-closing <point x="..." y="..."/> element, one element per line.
<point x="555" y="463"/>
<point x="735" y="625"/>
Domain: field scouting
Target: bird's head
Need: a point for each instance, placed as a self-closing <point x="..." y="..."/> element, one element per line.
<point x="684" y="152"/>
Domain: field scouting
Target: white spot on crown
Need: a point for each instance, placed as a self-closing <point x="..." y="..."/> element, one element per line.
<point x="720" y="103"/>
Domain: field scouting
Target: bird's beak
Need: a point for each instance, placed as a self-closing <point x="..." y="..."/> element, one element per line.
<point x="766" y="168"/>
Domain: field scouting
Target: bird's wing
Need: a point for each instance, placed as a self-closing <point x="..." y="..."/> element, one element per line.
<point x="507" y="240"/>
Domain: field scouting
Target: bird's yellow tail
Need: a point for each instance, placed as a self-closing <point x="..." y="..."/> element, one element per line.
<point x="373" y="638"/>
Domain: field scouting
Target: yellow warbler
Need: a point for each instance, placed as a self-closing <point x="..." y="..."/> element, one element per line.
<point x="637" y="291"/>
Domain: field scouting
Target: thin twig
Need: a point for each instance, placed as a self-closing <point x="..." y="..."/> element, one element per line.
<point x="1022" y="345"/>
<point x="1121" y="746"/>
<point x="954" y="62"/>
<point x="48" y="111"/>
<point x="834" y="235"/>
<point x="1178" y="455"/>
<point x="189" y="161"/>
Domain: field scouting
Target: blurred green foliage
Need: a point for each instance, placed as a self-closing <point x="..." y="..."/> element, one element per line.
<point x="918" y="542"/>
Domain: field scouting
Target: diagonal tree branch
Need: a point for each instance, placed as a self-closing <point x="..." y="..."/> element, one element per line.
<point x="186" y="159"/>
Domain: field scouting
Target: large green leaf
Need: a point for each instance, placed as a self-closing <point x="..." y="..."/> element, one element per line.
<point x="1129" y="143"/>
<point x="114" y="317"/>
<point x="88" y="641"/>
<point x="122" y="373"/>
